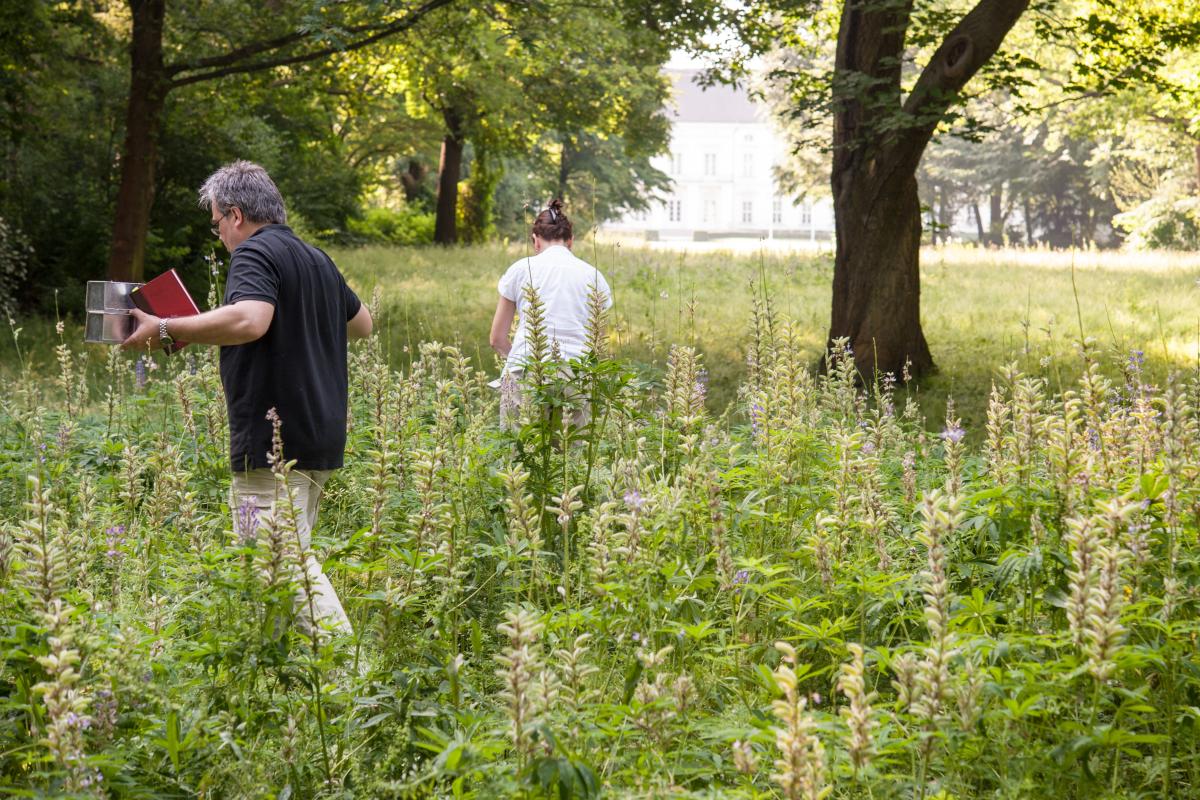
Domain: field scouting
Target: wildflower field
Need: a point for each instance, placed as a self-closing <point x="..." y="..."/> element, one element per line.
<point x="806" y="592"/>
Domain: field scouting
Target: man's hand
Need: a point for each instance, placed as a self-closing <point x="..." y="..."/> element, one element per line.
<point x="146" y="333"/>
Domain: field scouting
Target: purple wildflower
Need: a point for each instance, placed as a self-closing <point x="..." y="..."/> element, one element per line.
<point x="868" y="448"/>
<point x="114" y="537"/>
<point x="953" y="434"/>
<point x="246" y="521"/>
<point x="634" y="500"/>
<point x="755" y="415"/>
<point x="139" y="371"/>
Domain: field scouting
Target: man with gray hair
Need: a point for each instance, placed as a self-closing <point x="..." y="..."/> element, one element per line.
<point x="282" y="328"/>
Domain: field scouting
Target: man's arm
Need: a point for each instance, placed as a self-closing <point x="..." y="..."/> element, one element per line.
<point x="359" y="326"/>
<point x="501" y="324"/>
<point x="237" y="323"/>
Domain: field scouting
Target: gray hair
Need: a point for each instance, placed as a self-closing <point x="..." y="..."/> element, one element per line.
<point x="247" y="186"/>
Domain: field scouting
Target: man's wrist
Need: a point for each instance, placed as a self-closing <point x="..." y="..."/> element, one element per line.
<point x="164" y="335"/>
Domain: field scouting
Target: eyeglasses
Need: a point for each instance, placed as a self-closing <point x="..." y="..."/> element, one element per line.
<point x="216" y="226"/>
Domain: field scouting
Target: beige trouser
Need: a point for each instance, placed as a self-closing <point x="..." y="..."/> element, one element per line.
<point x="253" y="494"/>
<point x="510" y="408"/>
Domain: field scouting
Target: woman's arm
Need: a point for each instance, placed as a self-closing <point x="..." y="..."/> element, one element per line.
<point x="501" y="324"/>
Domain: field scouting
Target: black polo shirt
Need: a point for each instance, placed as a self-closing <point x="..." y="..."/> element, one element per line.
<point x="298" y="367"/>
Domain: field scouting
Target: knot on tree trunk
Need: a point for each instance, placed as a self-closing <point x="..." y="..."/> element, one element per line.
<point x="958" y="56"/>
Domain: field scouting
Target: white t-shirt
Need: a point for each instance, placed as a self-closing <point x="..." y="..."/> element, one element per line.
<point x="563" y="283"/>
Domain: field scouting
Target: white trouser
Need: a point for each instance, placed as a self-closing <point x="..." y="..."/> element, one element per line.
<point x="257" y="489"/>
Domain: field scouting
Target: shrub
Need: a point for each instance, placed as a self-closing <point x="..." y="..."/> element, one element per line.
<point x="1163" y="223"/>
<point x="389" y="226"/>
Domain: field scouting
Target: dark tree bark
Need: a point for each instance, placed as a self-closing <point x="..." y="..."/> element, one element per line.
<point x="412" y="179"/>
<point x="564" y="166"/>
<point x="148" y="88"/>
<point x="1029" y="238"/>
<point x="151" y="81"/>
<point x="1196" y="154"/>
<point x="876" y="283"/>
<point x="445" y="222"/>
<point x="996" y="221"/>
<point x="980" y="232"/>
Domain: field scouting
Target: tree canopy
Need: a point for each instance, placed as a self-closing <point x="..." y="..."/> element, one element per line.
<point x="1079" y="126"/>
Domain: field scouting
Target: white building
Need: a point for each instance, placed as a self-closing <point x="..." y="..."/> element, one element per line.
<point x="724" y="151"/>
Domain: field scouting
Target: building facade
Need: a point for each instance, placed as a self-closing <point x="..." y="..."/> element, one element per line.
<point x="722" y="161"/>
<point x="724" y="152"/>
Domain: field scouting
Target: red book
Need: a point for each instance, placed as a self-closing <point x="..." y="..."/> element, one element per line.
<point x="165" y="297"/>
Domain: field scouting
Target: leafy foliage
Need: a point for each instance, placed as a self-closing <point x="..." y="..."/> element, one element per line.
<point x="806" y="592"/>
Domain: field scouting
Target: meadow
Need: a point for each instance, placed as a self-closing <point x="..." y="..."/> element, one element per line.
<point x="741" y="579"/>
<point x="981" y="308"/>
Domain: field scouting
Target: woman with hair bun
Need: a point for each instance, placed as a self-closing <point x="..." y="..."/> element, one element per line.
<point x="563" y="283"/>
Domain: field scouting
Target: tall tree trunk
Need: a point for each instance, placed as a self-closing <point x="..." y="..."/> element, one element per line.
<point x="876" y="283"/>
<point x="1028" y="222"/>
<point x="1196" y="154"/>
<point x="996" y="221"/>
<point x="411" y="180"/>
<point x="877" y="212"/>
<point x="148" y="88"/>
<point x="445" y="223"/>
<point x="945" y="217"/>
<point x="981" y="233"/>
<point x="564" y="166"/>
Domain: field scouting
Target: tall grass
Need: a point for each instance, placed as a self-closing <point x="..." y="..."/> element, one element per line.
<point x="980" y="308"/>
<point x="807" y="594"/>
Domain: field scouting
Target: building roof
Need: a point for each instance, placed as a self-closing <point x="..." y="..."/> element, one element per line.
<point x="717" y="103"/>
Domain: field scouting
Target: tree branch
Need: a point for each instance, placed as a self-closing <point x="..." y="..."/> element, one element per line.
<point x="962" y="52"/>
<point x="236" y="61"/>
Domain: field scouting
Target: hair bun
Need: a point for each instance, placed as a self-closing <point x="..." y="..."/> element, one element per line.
<point x="552" y="224"/>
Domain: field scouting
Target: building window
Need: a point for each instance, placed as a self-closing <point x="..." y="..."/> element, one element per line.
<point x="710" y="210"/>
<point x="777" y="210"/>
<point x="747" y="165"/>
<point x="677" y="164"/>
<point x="747" y="211"/>
<point x="806" y="214"/>
<point x="710" y="163"/>
<point x="674" y="210"/>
